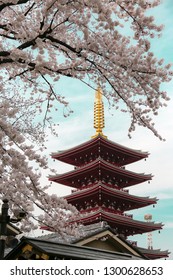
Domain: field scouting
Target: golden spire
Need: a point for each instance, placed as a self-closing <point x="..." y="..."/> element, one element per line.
<point x="99" y="122"/>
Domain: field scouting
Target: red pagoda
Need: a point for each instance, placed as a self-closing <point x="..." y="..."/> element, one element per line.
<point x="100" y="181"/>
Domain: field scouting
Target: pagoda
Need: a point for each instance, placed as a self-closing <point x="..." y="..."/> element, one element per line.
<point x="100" y="179"/>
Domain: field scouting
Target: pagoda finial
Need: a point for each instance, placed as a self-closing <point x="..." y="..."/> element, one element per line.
<point x="99" y="122"/>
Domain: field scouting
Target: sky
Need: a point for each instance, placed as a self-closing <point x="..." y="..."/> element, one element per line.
<point x="78" y="128"/>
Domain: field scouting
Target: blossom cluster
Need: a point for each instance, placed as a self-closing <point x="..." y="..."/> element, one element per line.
<point x="21" y="165"/>
<point x="87" y="40"/>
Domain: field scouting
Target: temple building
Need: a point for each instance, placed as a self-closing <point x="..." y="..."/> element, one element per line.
<point x="99" y="183"/>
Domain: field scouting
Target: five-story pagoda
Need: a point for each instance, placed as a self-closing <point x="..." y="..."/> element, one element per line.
<point x="100" y="181"/>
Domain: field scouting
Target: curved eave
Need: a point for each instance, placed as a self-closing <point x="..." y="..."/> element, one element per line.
<point x="69" y="155"/>
<point x="123" y="177"/>
<point x="154" y="253"/>
<point x="113" y="194"/>
<point x="120" y="222"/>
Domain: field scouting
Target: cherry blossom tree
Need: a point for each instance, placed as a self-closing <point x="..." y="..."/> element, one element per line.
<point x="87" y="40"/>
<point x="21" y="164"/>
<point x="40" y="41"/>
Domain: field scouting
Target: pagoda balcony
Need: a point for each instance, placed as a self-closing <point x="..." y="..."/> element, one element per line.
<point x="101" y="157"/>
<point x="92" y="184"/>
<point x="106" y="209"/>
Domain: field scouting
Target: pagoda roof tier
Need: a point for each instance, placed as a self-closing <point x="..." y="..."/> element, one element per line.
<point x="102" y="194"/>
<point x="99" y="146"/>
<point x="100" y="170"/>
<point x="154" y="254"/>
<point x="123" y="224"/>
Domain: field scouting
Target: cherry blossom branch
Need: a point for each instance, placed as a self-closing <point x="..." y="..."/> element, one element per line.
<point x="10" y="3"/>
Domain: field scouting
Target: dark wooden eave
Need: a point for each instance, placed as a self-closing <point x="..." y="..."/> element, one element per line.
<point x="123" y="155"/>
<point x="124" y="225"/>
<point x="100" y="193"/>
<point x="99" y="169"/>
<point x="32" y="248"/>
<point x="154" y="254"/>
